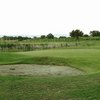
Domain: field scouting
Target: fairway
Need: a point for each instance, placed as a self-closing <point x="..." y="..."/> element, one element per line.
<point x="38" y="70"/>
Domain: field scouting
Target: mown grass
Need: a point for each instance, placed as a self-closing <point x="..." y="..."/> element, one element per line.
<point x="10" y="58"/>
<point x="50" y="88"/>
<point x="86" y="87"/>
<point x="83" y="59"/>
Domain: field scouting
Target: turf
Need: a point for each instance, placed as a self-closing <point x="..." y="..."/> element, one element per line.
<point x="50" y="88"/>
<point x="10" y="58"/>
<point x="83" y="59"/>
<point x="82" y="87"/>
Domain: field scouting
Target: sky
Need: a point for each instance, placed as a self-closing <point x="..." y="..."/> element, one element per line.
<point x="41" y="17"/>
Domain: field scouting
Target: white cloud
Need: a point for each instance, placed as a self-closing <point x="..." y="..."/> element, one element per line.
<point x="34" y="17"/>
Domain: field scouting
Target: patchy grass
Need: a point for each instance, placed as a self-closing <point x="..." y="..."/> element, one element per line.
<point x="50" y="88"/>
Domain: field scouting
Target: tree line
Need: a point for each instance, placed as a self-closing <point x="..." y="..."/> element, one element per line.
<point x="45" y="41"/>
<point x="74" y="33"/>
<point x="77" y="33"/>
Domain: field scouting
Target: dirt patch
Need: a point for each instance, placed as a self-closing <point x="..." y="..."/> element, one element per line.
<point x="38" y="70"/>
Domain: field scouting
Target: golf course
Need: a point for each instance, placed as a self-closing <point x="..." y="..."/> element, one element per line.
<point x="49" y="49"/>
<point x="68" y="73"/>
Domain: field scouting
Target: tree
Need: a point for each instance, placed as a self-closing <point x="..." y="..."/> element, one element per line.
<point x="50" y="36"/>
<point x="62" y="37"/>
<point x="43" y="36"/>
<point x="35" y="37"/>
<point x="95" y="33"/>
<point x="76" y="33"/>
<point x="86" y="35"/>
<point x="20" y="38"/>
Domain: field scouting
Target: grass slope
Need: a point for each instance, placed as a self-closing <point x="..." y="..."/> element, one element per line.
<point x="10" y="58"/>
<point x="83" y="59"/>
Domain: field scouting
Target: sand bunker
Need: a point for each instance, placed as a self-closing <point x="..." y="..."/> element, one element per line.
<point x="38" y="70"/>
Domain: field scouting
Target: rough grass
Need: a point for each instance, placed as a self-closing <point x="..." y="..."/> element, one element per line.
<point x="50" y="88"/>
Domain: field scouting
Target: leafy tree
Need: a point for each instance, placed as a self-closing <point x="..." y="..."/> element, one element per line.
<point x="35" y="37"/>
<point x="76" y="33"/>
<point x="20" y="38"/>
<point x="62" y="37"/>
<point x="86" y="35"/>
<point x="95" y="33"/>
<point x="50" y="36"/>
<point x="43" y="36"/>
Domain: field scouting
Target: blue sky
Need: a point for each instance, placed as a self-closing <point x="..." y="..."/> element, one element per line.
<point x="40" y="17"/>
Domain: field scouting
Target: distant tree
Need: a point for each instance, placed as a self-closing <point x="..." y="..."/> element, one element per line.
<point x="20" y="38"/>
<point x="95" y="33"/>
<point x="62" y="37"/>
<point x="76" y="33"/>
<point x="35" y="37"/>
<point x="86" y="35"/>
<point x="5" y="37"/>
<point x="43" y="37"/>
<point x="50" y="36"/>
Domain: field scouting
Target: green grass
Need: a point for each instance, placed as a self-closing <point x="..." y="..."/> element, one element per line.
<point x="50" y="88"/>
<point x="10" y="58"/>
<point x="83" y="59"/>
<point x="85" y="87"/>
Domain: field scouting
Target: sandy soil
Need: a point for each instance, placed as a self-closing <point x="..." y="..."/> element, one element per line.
<point x="38" y="70"/>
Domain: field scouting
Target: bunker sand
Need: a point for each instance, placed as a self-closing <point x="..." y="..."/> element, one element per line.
<point x="38" y="70"/>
